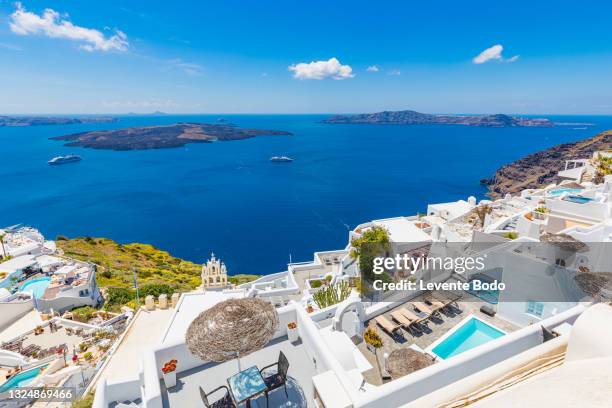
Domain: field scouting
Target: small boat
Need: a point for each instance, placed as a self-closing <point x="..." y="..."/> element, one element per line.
<point x="281" y="159"/>
<point x="71" y="158"/>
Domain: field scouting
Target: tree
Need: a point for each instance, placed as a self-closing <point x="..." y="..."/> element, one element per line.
<point x="481" y="212"/>
<point x="603" y="167"/>
<point x="372" y="243"/>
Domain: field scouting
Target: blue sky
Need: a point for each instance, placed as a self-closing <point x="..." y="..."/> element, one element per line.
<point x="305" y="57"/>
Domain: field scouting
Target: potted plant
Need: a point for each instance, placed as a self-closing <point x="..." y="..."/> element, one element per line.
<point x="169" y="373"/>
<point x="292" y="332"/>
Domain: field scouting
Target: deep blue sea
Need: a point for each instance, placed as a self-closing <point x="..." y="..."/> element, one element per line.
<point x="227" y="197"/>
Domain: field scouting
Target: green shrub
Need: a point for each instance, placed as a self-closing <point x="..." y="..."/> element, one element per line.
<point x="328" y="278"/>
<point x="86" y="401"/>
<point x="83" y="314"/>
<point x="315" y="284"/>
<point x="119" y="296"/>
<point x="156" y="289"/>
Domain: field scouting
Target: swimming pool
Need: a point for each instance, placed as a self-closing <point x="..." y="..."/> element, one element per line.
<point x="21" y="379"/>
<point x="36" y="286"/>
<point x="578" y="199"/>
<point x="558" y="191"/>
<point x="471" y="332"/>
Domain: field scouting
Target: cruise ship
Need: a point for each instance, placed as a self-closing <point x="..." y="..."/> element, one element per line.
<point x="281" y="159"/>
<point x="71" y="158"/>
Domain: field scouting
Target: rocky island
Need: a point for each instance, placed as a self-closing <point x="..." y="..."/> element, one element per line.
<point x="539" y="169"/>
<point x="49" y="120"/>
<point x="409" y="117"/>
<point x="160" y="137"/>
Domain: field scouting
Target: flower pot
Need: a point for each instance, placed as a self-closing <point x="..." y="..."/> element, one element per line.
<point x="293" y="335"/>
<point x="170" y="379"/>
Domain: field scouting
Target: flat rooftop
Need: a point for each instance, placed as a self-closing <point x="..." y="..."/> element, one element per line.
<point x="403" y="230"/>
<point x="144" y="332"/>
<point x="188" y="308"/>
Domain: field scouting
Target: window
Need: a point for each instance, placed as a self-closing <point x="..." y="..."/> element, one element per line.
<point x="535" y="308"/>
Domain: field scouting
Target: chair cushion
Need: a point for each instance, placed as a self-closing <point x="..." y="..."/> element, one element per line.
<point x="225" y="402"/>
<point x="274" y="381"/>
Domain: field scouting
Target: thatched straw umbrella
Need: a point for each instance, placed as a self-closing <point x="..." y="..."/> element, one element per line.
<point x="564" y="241"/>
<point x="405" y="360"/>
<point x="596" y="285"/>
<point x="231" y="329"/>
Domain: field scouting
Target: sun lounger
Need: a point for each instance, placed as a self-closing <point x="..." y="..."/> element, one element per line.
<point x="423" y="308"/>
<point x="411" y="315"/>
<point x="436" y="304"/>
<point x="386" y="325"/>
<point x="408" y="324"/>
<point x="448" y="300"/>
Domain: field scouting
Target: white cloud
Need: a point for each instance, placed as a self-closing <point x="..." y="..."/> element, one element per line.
<point x="322" y="70"/>
<point x="513" y="59"/>
<point x="493" y="53"/>
<point x="372" y="68"/>
<point x="10" y="47"/>
<point x="394" y="72"/>
<point x="52" y="25"/>
<point x="187" y="67"/>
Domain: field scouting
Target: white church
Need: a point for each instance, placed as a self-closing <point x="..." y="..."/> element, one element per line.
<point x="214" y="274"/>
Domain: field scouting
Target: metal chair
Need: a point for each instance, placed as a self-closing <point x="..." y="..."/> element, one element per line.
<point x="225" y="402"/>
<point x="278" y="379"/>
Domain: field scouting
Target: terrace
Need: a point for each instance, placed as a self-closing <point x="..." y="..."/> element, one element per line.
<point x="435" y="328"/>
<point x="212" y="375"/>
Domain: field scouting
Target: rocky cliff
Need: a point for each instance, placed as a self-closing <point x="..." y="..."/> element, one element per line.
<point x="539" y="169"/>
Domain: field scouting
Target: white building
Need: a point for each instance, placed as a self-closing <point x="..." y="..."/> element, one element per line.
<point x="214" y="274"/>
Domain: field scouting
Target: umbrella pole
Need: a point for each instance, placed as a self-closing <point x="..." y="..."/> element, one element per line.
<point x="238" y="358"/>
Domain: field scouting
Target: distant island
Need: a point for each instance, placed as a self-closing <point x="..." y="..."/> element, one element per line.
<point x="156" y="113"/>
<point x="50" y="120"/>
<point x="409" y="117"/>
<point x="540" y="169"/>
<point x="160" y="137"/>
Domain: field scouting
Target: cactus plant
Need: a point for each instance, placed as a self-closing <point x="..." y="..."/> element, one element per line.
<point x="332" y="294"/>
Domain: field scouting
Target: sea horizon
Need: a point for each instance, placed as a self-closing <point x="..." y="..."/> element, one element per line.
<point x="227" y="198"/>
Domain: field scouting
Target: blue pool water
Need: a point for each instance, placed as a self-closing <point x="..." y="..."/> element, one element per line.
<point x="228" y="197"/>
<point x="22" y="379"/>
<point x="36" y="286"/>
<point x="578" y="199"/>
<point x="472" y="333"/>
<point x="558" y="191"/>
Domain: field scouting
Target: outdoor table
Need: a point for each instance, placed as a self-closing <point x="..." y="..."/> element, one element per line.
<point x="245" y="385"/>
